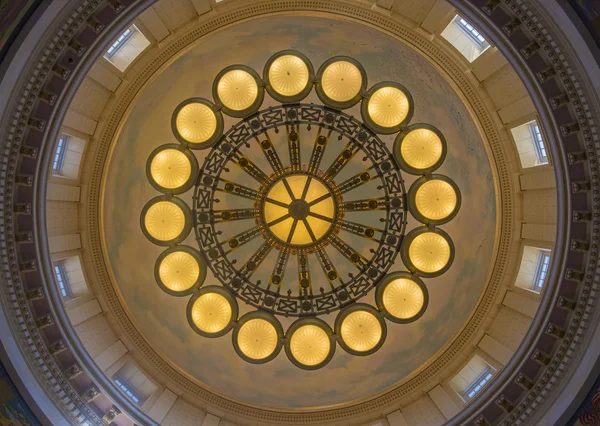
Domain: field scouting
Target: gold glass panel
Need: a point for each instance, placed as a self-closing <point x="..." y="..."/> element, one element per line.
<point x="237" y="90"/>
<point x="435" y="199"/>
<point x="341" y="81"/>
<point x="170" y="168"/>
<point x="429" y="252"/>
<point x="403" y="298"/>
<point x="421" y="148"/>
<point x="178" y="271"/>
<point x="361" y="331"/>
<point x="257" y="338"/>
<point x="310" y="345"/>
<point x="388" y="106"/>
<point x="196" y="122"/>
<point x="211" y="312"/>
<point x="288" y="75"/>
<point x="164" y="220"/>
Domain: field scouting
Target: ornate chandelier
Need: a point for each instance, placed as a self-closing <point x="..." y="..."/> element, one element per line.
<point x="282" y="238"/>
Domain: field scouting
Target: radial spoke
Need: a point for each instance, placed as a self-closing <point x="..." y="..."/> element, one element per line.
<point x="364" y="205"/>
<point x="249" y="167"/>
<point x="320" y="216"/>
<point x="292" y="230"/>
<point x="304" y="282"/>
<point x="279" y="270"/>
<point x="309" y="229"/>
<point x="318" y="200"/>
<point x="328" y="269"/>
<point x="288" y="188"/>
<point x="256" y="259"/>
<point x="239" y="190"/>
<point x="294" y="148"/>
<point x="349" y="253"/>
<point x="342" y="159"/>
<point x="357" y="180"/>
<point x="270" y="153"/>
<point x="235" y="214"/>
<point x="360" y="230"/>
<point x="277" y="203"/>
<point x="318" y="151"/>
<point x="281" y="219"/>
<point x="306" y="187"/>
<point x="240" y="239"/>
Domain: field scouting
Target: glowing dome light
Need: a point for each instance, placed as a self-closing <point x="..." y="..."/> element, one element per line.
<point x="170" y="168"/>
<point x="257" y="338"/>
<point x="403" y="298"/>
<point x="179" y="271"/>
<point x="436" y="199"/>
<point x="429" y="252"/>
<point x="211" y="312"/>
<point x="288" y="75"/>
<point x="196" y="122"/>
<point x="164" y="221"/>
<point x="388" y="106"/>
<point x="361" y="331"/>
<point x="310" y="345"/>
<point x="341" y="81"/>
<point x="237" y="89"/>
<point x="421" y="148"/>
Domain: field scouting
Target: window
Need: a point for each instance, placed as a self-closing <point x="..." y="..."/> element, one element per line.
<point x="469" y="30"/>
<point x="61" y="279"/>
<point x="59" y="154"/>
<point x="120" y="42"/>
<point x="467" y="39"/>
<point x="127" y="389"/>
<point x="538" y="142"/>
<point x="542" y="270"/>
<point x="128" y="46"/>
<point x="478" y="384"/>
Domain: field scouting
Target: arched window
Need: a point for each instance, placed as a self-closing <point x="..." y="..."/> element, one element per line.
<point x="467" y="39"/>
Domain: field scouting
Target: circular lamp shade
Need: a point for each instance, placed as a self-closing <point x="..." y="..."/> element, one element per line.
<point x="171" y="170"/>
<point x="402" y="298"/>
<point x="340" y="82"/>
<point x="212" y="311"/>
<point x="361" y="329"/>
<point x="434" y="200"/>
<point x="288" y="75"/>
<point x="257" y="339"/>
<point x="165" y="221"/>
<point x="310" y="343"/>
<point x="387" y="108"/>
<point x="420" y="149"/>
<point x="429" y="253"/>
<point x="298" y="210"/>
<point x="239" y="89"/>
<point x="180" y="270"/>
<point x="196" y="123"/>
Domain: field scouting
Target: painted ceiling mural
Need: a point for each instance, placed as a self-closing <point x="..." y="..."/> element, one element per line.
<point x="213" y="362"/>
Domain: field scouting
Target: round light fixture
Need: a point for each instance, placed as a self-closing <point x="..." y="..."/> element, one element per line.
<point x="212" y="311"/>
<point x="388" y="106"/>
<point x="288" y="75"/>
<point x="310" y="343"/>
<point x="420" y="149"/>
<point x="340" y="82"/>
<point x="179" y="270"/>
<point x="239" y="90"/>
<point x="303" y="210"/>
<point x="428" y="252"/>
<point x="171" y="169"/>
<point x="361" y="329"/>
<point x="402" y="297"/>
<point x="196" y="123"/>
<point x="166" y="221"/>
<point x="434" y="199"/>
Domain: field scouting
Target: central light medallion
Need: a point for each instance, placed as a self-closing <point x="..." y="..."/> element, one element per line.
<point x="300" y="210"/>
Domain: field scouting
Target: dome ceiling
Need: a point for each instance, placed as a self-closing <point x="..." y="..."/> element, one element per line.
<point x="213" y="362"/>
